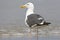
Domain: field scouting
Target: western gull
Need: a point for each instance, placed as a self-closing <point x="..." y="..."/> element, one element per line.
<point x="33" y="19"/>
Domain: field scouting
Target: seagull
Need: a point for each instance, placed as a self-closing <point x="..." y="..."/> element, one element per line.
<point x="32" y="19"/>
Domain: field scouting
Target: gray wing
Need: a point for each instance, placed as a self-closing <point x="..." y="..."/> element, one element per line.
<point x="34" y="19"/>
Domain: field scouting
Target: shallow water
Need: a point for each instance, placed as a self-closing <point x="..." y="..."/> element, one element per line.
<point x="30" y="38"/>
<point x="48" y="33"/>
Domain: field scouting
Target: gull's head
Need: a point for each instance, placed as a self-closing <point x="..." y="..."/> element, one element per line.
<point x="28" y="5"/>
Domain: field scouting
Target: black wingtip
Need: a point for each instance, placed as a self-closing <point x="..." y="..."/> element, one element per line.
<point x="47" y="23"/>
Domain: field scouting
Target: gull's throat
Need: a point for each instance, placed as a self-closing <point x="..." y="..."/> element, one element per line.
<point x="29" y="11"/>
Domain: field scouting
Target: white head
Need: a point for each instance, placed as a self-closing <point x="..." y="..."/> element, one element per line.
<point x="28" y="5"/>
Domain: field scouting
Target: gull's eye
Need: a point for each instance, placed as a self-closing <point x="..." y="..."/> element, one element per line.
<point x="27" y="4"/>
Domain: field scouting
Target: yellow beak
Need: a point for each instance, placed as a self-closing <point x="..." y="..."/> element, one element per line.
<point x="22" y="6"/>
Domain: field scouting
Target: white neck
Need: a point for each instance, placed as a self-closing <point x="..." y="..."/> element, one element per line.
<point x="29" y="11"/>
